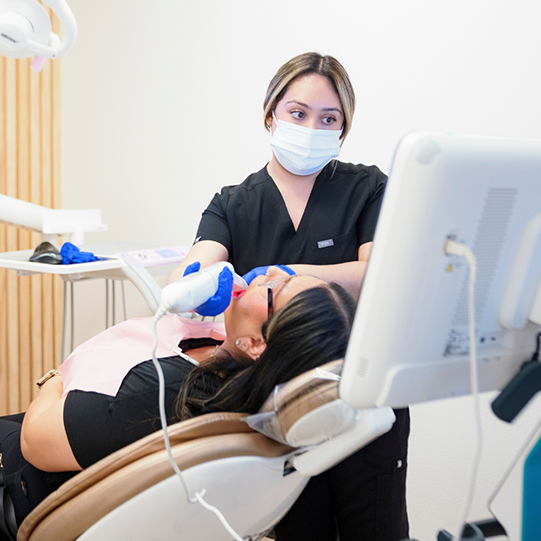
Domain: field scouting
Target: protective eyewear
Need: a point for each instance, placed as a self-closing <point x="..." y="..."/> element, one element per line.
<point x="270" y="285"/>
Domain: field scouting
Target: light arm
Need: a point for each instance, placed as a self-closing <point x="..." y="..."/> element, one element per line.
<point x="69" y="24"/>
<point x="13" y="211"/>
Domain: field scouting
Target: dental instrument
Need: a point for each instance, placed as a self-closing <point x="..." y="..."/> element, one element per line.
<point x="195" y="289"/>
<point x="26" y="30"/>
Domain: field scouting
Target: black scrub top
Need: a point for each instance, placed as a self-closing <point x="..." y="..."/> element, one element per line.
<point x="252" y="222"/>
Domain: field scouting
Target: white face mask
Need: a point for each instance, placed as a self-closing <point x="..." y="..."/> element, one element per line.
<point x="304" y="151"/>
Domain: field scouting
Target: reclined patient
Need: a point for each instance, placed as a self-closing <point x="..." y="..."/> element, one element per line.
<point x="280" y="327"/>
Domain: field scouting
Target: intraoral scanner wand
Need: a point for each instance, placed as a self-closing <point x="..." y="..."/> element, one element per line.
<point x="193" y="290"/>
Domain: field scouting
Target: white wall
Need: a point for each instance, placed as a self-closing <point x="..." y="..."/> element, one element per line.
<point x="162" y="106"/>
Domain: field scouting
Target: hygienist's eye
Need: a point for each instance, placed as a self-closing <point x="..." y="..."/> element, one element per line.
<point x="329" y="120"/>
<point x="299" y="115"/>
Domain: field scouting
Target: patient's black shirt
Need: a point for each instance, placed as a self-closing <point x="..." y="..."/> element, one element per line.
<point x="98" y="424"/>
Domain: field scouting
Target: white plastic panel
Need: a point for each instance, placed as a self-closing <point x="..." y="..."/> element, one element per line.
<point x="410" y="338"/>
<point x="251" y="492"/>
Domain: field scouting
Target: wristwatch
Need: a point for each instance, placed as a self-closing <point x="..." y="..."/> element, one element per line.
<point x="50" y="374"/>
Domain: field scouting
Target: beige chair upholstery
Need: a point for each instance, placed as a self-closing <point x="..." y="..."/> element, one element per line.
<point x="92" y="494"/>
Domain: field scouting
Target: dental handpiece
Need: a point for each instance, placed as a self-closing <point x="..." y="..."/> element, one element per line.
<point x="194" y="289"/>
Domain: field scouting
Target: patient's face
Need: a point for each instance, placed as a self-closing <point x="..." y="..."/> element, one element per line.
<point x="248" y="311"/>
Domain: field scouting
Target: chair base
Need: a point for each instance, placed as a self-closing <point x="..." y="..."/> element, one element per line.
<point x="253" y="493"/>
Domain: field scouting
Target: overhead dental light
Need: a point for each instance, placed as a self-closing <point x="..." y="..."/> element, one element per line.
<point x="26" y="30"/>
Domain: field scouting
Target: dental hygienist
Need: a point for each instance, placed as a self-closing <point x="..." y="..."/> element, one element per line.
<point x="313" y="215"/>
<point x="303" y="209"/>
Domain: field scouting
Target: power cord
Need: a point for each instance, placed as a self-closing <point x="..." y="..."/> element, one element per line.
<point x="163" y="418"/>
<point x="452" y="247"/>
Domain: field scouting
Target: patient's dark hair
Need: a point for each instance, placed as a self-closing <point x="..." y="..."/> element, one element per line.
<point x="312" y="329"/>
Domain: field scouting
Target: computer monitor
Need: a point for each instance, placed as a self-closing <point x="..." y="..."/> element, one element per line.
<point x="410" y="338"/>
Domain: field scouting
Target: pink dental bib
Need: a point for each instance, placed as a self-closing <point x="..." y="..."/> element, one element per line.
<point x="101" y="363"/>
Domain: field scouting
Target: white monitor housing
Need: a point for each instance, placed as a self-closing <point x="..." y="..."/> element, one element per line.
<point x="410" y="339"/>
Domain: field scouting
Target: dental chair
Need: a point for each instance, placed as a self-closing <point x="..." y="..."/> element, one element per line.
<point x="252" y="478"/>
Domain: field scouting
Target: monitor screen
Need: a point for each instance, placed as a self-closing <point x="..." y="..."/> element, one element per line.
<point x="410" y="338"/>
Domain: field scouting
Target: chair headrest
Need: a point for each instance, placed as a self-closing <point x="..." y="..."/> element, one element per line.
<point x="306" y="410"/>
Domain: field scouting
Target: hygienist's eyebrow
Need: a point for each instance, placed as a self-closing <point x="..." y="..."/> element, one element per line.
<point x="335" y="109"/>
<point x="326" y="109"/>
<point x="299" y="103"/>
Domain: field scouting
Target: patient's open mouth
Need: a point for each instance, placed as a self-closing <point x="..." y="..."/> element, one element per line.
<point x="239" y="294"/>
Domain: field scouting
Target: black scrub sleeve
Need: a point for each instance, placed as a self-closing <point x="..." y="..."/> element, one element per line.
<point x="213" y="224"/>
<point x="366" y="225"/>
<point x="89" y="426"/>
<point x="98" y="425"/>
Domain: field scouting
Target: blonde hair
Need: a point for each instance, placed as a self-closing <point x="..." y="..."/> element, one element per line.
<point x="306" y="64"/>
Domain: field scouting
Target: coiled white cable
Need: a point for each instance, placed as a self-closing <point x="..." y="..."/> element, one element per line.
<point x="163" y="418"/>
<point x="452" y="247"/>
<point x="218" y="513"/>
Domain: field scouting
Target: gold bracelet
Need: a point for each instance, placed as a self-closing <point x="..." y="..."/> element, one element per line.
<point x="50" y="374"/>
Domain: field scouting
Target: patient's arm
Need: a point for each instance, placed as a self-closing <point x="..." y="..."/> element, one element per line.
<point x="44" y="442"/>
<point x="207" y="252"/>
<point x="349" y="275"/>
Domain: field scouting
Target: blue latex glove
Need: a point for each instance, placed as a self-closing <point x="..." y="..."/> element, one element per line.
<point x="258" y="271"/>
<point x="221" y="300"/>
<point x="71" y="254"/>
<point x="190" y="269"/>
